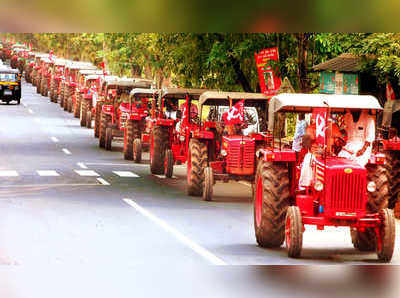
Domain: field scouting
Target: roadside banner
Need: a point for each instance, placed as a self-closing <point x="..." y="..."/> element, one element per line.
<point x="269" y="81"/>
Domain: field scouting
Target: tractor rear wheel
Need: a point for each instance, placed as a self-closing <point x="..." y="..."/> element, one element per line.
<point x="97" y="120"/>
<point x="132" y="133"/>
<point x="137" y="150"/>
<point x="109" y="138"/>
<point x="387" y="234"/>
<point x="62" y="93"/>
<point x="83" y="113"/>
<point x="89" y="119"/>
<point x="392" y="165"/>
<point x="208" y="184"/>
<point x="271" y="202"/>
<point x="105" y="119"/>
<point x="377" y="200"/>
<point x="294" y="232"/>
<point x="197" y="162"/>
<point x="169" y="163"/>
<point x="77" y="107"/>
<point x="159" y="144"/>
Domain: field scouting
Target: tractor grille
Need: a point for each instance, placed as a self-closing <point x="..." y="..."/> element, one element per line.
<point x="241" y="157"/>
<point x="347" y="192"/>
<point x="122" y="120"/>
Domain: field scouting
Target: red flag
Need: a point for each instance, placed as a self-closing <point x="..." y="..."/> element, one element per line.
<point x="51" y="56"/>
<point x="390" y="92"/>
<point x="103" y="67"/>
<point x="235" y="114"/>
<point x="321" y="124"/>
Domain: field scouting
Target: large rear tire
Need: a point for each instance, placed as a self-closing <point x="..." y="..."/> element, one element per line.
<point x="77" y="107"/>
<point x="270" y="203"/>
<point x="137" y="150"/>
<point x="158" y="146"/>
<point x="377" y="200"/>
<point x="97" y="120"/>
<point x="83" y="113"/>
<point x="197" y="162"/>
<point x="392" y="165"/>
<point x="89" y="119"/>
<point x="105" y="119"/>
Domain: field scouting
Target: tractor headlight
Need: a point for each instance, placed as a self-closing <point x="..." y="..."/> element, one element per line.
<point x="371" y="186"/>
<point x="318" y="186"/>
<point x="223" y="152"/>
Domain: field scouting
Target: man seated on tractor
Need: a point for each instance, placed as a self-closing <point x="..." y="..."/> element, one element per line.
<point x="194" y="115"/>
<point x="360" y="128"/>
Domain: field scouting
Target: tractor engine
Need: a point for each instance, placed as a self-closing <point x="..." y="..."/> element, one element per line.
<point x="239" y="153"/>
<point x="343" y="192"/>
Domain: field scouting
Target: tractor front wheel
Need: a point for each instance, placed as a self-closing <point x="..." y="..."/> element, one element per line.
<point x="169" y="163"/>
<point x="208" y="184"/>
<point x="197" y="162"/>
<point x="105" y="119"/>
<point x="386" y="236"/>
<point x="271" y="201"/>
<point x="294" y="232"/>
<point x="83" y="113"/>
<point x="77" y="107"/>
<point x="137" y="150"/>
<point x="97" y="120"/>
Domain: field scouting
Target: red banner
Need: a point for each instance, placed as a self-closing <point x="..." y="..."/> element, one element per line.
<point x="269" y="81"/>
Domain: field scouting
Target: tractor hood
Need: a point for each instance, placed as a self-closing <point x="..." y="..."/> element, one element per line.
<point x="340" y="163"/>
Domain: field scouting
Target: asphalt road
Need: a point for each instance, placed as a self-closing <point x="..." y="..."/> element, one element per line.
<point x="66" y="206"/>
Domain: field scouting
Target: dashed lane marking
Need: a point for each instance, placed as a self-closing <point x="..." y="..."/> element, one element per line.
<point x="102" y="181"/>
<point x="87" y="173"/>
<point x="126" y="174"/>
<point x="213" y="259"/>
<point x="66" y="151"/>
<point x="48" y="173"/>
<point x="114" y="164"/>
<point x="30" y="111"/>
<point x="9" y="174"/>
<point x="82" y="165"/>
<point x="54" y="139"/>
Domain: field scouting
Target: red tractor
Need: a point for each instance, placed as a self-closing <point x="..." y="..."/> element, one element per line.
<point x="28" y="67"/>
<point x="71" y="83"/>
<point x="35" y="75"/>
<point x="81" y="89"/>
<point x="15" y="54"/>
<point x="172" y="129"/>
<point x="223" y="150"/>
<point x="142" y="110"/>
<point x="45" y="80"/>
<point x="57" y="74"/>
<point x="89" y="99"/>
<point x="101" y="97"/>
<point x="116" y="112"/>
<point x="391" y="145"/>
<point x="341" y="192"/>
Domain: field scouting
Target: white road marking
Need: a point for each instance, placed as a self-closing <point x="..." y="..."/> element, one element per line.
<point x="82" y="165"/>
<point x="245" y="183"/>
<point x="182" y="238"/>
<point x="102" y="181"/>
<point x="9" y="174"/>
<point x="47" y="185"/>
<point x="30" y="111"/>
<point x="48" y="173"/>
<point x="114" y="164"/>
<point x="126" y="174"/>
<point x="54" y="139"/>
<point x="66" y="151"/>
<point x="86" y="173"/>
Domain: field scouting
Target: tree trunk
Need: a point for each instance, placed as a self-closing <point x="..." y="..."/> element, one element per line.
<point x="302" y="46"/>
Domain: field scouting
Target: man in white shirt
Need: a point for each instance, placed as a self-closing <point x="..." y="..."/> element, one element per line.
<point x="361" y="135"/>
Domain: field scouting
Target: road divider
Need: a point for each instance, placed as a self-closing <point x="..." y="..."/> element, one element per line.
<point x="213" y="259"/>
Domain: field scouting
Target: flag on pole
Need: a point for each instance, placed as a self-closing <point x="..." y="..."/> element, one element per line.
<point x="321" y="124"/>
<point x="235" y="114"/>
<point x="390" y="92"/>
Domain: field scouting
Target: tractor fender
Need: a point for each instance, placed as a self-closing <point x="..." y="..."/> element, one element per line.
<point x="276" y="155"/>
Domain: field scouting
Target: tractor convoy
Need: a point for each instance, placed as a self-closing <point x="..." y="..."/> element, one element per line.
<point x="219" y="136"/>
